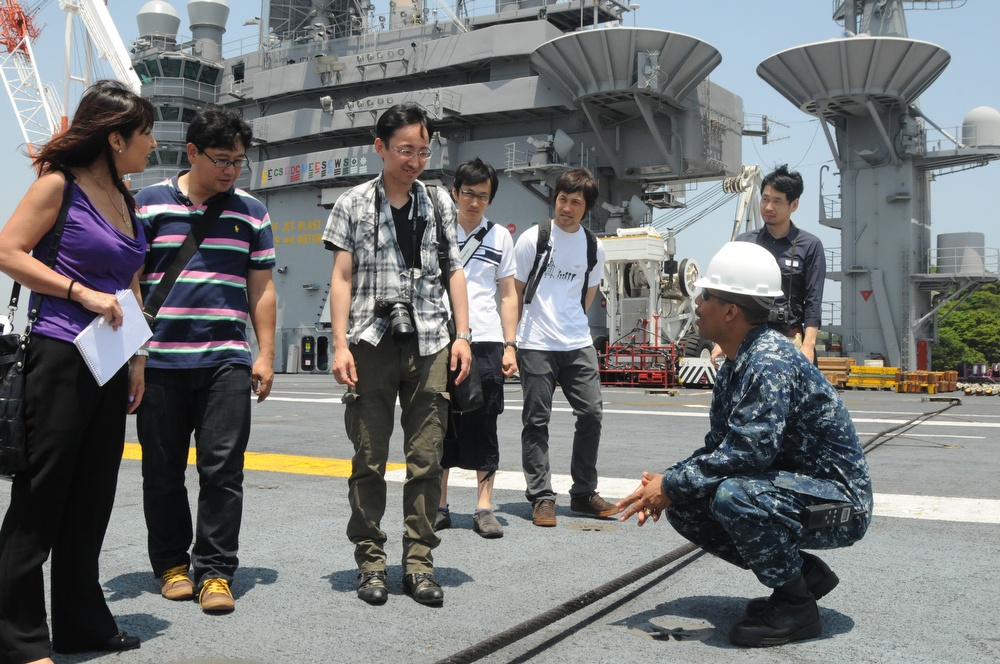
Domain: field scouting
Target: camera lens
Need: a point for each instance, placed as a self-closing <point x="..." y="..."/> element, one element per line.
<point x="400" y="323"/>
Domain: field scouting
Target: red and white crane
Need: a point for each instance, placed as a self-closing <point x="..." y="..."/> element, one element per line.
<point x="36" y="105"/>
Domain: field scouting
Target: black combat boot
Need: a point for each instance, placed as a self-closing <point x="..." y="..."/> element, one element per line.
<point x="819" y="577"/>
<point x="791" y="615"/>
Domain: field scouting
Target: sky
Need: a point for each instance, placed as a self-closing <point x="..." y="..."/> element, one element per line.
<point x="745" y="33"/>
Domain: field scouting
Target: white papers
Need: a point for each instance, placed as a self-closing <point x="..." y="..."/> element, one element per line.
<point x="106" y="350"/>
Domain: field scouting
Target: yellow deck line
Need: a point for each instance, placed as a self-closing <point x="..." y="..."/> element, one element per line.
<point x="278" y="463"/>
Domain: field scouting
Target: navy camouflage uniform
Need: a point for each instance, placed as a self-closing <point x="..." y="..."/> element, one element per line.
<point x="781" y="439"/>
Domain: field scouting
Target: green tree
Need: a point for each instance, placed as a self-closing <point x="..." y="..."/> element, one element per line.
<point x="969" y="333"/>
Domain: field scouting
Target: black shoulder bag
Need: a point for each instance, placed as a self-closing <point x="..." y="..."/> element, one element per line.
<point x="13" y="444"/>
<point x="467" y="396"/>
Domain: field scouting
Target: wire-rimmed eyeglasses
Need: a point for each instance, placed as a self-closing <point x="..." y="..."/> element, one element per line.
<point x="410" y="154"/>
<point x="473" y="196"/>
<point x="241" y="162"/>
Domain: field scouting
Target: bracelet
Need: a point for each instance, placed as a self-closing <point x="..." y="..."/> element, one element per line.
<point x="69" y="291"/>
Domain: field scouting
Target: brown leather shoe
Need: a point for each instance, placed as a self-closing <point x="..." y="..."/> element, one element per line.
<point x="592" y="504"/>
<point x="215" y="596"/>
<point x="175" y="584"/>
<point x="544" y="513"/>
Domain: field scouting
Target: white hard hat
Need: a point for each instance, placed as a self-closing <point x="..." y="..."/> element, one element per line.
<point x="743" y="268"/>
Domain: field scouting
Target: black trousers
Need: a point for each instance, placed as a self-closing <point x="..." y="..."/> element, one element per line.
<point x="62" y="504"/>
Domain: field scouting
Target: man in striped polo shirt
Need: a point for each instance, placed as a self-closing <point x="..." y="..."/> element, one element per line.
<point x="199" y="371"/>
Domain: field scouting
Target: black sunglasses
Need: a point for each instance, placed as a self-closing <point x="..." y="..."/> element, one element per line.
<point x="707" y="295"/>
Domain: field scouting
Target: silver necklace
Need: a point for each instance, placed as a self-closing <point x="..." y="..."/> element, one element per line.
<point x="120" y="207"/>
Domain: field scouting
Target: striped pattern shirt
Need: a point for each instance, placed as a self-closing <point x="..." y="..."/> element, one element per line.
<point x="351" y="228"/>
<point x="203" y="321"/>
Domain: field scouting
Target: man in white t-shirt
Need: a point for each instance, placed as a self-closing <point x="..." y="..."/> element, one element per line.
<point x="488" y="257"/>
<point x="555" y="288"/>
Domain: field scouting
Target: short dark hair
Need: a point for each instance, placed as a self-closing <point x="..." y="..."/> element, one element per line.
<point x="787" y="182"/>
<point x="217" y="127"/>
<point x="402" y="115"/>
<point x="755" y="310"/>
<point x="476" y="171"/>
<point x="578" y="180"/>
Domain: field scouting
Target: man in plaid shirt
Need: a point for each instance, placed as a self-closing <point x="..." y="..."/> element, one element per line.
<point x="390" y="339"/>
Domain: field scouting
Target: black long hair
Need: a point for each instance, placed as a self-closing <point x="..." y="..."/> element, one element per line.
<point x="106" y="107"/>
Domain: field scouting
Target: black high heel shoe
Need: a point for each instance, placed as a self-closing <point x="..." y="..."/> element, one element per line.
<point x="117" y="643"/>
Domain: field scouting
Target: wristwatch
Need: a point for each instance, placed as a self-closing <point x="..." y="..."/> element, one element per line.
<point x="142" y="352"/>
<point x="464" y="335"/>
<point x="512" y="344"/>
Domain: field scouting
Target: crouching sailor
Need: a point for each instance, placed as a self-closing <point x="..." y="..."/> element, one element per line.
<point x="781" y="470"/>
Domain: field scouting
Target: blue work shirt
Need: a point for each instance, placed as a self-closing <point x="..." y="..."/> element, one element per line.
<point x="774" y="415"/>
<point x="803" y="272"/>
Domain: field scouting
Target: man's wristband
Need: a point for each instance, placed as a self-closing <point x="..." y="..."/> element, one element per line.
<point x="510" y="344"/>
<point x="465" y="335"/>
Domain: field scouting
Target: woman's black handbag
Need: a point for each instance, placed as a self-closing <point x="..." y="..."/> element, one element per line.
<point x="13" y="443"/>
<point x="13" y="447"/>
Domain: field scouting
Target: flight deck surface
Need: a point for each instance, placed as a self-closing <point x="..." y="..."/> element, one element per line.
<point x="920" y="587"/>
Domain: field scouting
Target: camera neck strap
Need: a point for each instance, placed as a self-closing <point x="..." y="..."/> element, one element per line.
<point x="378" y="217"/>
<point x="791" y="280"/>
<point x="378" y="214"/>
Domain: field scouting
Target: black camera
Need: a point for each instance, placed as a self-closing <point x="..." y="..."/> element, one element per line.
<point x="400" y="319"/>
<point x="780" y="314"/>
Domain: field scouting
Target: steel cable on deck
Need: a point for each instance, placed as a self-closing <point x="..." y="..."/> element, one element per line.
<point x="510" y="636"/>
<point x="898" y="430"/>
<point x="528" y="627"/>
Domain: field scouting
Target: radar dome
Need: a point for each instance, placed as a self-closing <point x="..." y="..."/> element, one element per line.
<point x="158" y="19"/>
<point x="981" y="127"/>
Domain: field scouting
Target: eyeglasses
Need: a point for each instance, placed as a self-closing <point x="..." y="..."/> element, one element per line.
<point x="410" y="154"/>
<point x="473" y="196"/>
<point x="242" y="162"/>
<point x="707" y="295"/>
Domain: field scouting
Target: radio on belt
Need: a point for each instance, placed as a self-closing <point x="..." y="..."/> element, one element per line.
<point x="826" y="515"/>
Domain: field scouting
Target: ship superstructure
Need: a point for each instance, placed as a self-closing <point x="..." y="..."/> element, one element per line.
<point x="864" y="88"/>
<point x="539" y="86"/>
<point x="533" y="86"/>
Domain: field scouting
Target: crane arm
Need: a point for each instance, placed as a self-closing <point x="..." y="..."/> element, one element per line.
<point x="35" y="106"/>
<point x="107" y="41"/>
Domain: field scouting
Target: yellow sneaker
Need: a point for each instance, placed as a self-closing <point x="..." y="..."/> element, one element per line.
<point x="175" y="583"/>
<point x="215" y="596"/>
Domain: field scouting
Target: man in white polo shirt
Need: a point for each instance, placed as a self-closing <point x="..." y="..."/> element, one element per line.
<point x="488" y="258"/>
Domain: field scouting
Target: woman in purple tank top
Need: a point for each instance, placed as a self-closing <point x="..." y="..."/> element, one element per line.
<point x="75" y="428"/>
